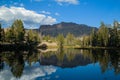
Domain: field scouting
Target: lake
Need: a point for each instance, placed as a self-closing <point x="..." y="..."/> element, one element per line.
<point x="63" y="64"/>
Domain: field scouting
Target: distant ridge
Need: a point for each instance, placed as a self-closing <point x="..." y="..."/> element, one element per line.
<point x="65" y="28"/>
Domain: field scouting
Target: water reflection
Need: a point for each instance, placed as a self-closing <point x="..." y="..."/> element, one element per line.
<point x="22" y="65"/>
<point x="65" y="58"/>
<point x="34" y="64"/>
<point x="29" y="73"/>
<point x="107" y="59"/>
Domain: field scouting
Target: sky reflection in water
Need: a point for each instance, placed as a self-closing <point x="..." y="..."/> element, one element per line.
<point x="29" y="72"/>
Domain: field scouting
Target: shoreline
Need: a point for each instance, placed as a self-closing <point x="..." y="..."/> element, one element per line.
<point x="104" y="48"/>
<point x="26" y="46"/>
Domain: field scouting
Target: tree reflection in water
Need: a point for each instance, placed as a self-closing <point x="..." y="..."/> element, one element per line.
<point x="1" y="64"/>
<point x="64" y="58"/>
<point x="108" y="59"/>
<point x="16" y="60"/>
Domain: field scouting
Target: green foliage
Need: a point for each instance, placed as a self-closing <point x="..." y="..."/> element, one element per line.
<point x="18" y="30"/>
<point x="93" y="38"/>
<point x="0" y="32"/>
<point x="103" y="35"/>
<point x="70" y="39"/>
<point x="114" y="35"/>
<point x="33" y="36"/>
<point x="106" y="36"/>
<point x="77" y="41"/>
<point x="16" y="34"/>
<point x="46" y="38"/>
<point x="60" y="40"/>
<point x="9" y="35"/>
<point x="119" y="38"/>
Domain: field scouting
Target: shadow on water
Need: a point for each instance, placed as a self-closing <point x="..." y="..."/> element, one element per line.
<point x="64" y="58"/>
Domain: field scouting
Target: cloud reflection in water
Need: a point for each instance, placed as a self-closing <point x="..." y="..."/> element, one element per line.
<point x="29" y="73"/>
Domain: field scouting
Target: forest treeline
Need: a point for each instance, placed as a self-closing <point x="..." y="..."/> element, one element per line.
<point x="103" y="37"/>
<point x="16" y="33"/>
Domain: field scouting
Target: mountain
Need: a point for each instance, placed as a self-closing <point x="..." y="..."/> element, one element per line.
<point x="65" y="28"/>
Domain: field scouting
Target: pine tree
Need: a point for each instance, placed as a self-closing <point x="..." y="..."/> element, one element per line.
<point x="18" y="29"/>
<point x="114" y="35"/>
<point x="93" y="38"/>
<point x="103" y="35"/>
<point x="9" y="35"/>
<point x="0" y="32"/>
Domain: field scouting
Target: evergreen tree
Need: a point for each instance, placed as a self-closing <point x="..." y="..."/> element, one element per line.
<point x="0" y="32"/>
<point x="93" y="38"/>
<point x="103" y="35"/>
<point x="118" y="38"/>
<point x="18" y="29"/>
<point x="9" y="35"/>
<point x="114" y="35"/>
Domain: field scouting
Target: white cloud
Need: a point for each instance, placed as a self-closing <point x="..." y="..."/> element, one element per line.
<point x="57" y="14"/>
<point x="29" y="17"/>
<point x="30" y="73"/>
<point x="67" y="1"/>
<point x="45" y="12"/>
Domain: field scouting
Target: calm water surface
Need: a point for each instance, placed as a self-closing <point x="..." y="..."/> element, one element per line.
<point x="68" y="64"/>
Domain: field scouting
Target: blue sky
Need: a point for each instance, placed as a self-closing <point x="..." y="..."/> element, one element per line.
<point x="90" y="12"/>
